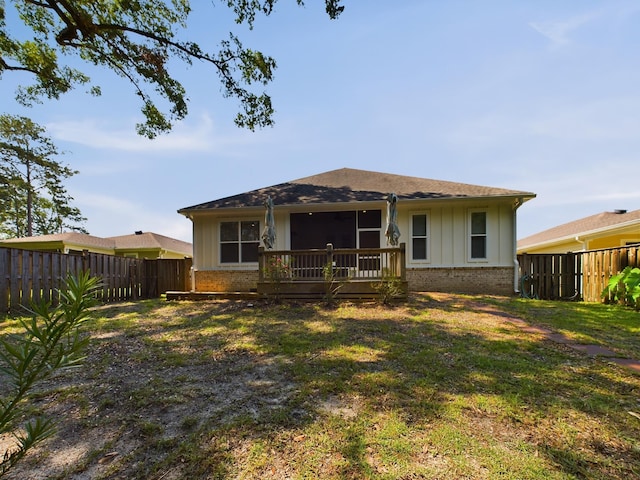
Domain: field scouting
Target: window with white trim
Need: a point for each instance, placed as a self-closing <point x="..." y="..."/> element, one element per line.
<point x="419" y="237"/>
<point x="239" y="241"/>
<point x="478" y="235"/>
<point x="368" y="227"/>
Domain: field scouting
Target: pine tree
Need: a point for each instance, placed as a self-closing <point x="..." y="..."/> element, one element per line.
<point x="34" y="200"/>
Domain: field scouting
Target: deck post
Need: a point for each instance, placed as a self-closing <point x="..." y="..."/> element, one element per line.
<point x="330" y="255"/>
<point x="403" y="262"/>
<point x="261" y="264"/>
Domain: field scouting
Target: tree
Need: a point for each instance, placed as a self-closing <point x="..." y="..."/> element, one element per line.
<point x="33" y="200"/>
<point x="51" y="340"/>
<point x="136" y="39"/>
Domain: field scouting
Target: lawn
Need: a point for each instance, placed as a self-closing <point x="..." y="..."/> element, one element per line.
<point x="442" y="387"/>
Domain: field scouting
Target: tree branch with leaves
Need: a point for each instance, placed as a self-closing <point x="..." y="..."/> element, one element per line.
<point x="136" y="39"/>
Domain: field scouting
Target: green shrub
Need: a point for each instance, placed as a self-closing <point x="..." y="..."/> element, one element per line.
<point x="624" y="288"/>
<point x="50" y="341"/>
<point x="389" y="288"/>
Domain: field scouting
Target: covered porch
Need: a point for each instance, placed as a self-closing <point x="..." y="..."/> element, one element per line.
<point x="356" y="273"/>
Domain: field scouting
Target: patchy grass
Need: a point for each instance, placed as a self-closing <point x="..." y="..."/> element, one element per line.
<point x="442" y="387"/>
<point x="612" y="326"/>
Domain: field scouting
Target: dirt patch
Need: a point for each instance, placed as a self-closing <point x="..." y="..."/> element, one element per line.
<point x="134" y="392"/>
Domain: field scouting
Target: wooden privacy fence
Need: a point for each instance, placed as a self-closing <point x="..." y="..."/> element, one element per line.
<point x="580" y="275"/>
<point x="31" y="276"/>
<point x="550" y="276"/>
<point x="600" y="265"/>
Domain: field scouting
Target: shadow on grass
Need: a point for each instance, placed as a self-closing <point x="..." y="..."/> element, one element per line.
<point x="189" y="389"/>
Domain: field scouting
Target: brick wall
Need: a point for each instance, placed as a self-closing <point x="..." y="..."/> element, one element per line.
<point x="489" y="280"/>
<point x="226" y="280"/>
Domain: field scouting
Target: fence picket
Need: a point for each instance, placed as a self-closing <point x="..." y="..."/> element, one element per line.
<point x="574" y="275"/>
<point x="31" y="275"/>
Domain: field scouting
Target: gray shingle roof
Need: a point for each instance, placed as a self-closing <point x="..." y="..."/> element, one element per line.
<point x="352" y="185"/>
<point x="593" y="223"/>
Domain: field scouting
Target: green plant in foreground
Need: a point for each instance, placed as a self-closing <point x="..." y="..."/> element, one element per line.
<point x="624" y="288"/>
<point x="50" y="341"/>
<point x="278" y="270"/>
<point x="332" y="284"/>
<point x="388" y="288"/>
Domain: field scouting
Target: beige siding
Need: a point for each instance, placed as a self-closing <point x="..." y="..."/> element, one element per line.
<point x="449" y="235"/>
<point x="206" y="239"/>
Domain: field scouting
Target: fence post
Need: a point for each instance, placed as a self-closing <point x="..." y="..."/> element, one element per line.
<point x="85" y="260"/>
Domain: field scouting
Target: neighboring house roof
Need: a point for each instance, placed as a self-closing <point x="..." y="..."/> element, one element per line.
<point x="351" y="185"/>
<point x="150" y="240"/>
<point x="68" y="238"/>
<point x="137" y="241"/>
<point x="588" y="226"/>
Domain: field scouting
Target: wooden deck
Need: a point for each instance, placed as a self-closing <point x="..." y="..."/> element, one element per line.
<point x="315" y="290"/>
<point x="194" y="296"/>
<point x="307" y="291"/>
<point x="321" y="274"/>
<point x="327" y="273"/>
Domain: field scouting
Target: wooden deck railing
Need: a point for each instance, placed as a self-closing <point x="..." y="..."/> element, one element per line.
<point x="339" y="264"/>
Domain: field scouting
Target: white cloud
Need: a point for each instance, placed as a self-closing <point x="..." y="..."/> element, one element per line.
<point x="559" y="31"/>
<point x="185" y="137"/>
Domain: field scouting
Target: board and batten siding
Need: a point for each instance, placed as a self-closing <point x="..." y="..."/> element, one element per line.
<point x="448" y="234"/>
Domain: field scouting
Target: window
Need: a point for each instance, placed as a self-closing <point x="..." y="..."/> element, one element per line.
<point x="478" y="235"/>
<point x="369" y="224"/>
<point x="419" y="237"/>
<point x="239" y="241"/>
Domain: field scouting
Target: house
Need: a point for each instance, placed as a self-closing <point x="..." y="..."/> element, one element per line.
<point x="139" y="245"/>
<point x="603" y="230"/>
<point x="458" y="237"/>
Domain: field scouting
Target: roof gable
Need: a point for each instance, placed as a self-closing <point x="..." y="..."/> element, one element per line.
<point x="588" y="225"/>
<point x="150" y="240"/>
<point x="352" y="185"/>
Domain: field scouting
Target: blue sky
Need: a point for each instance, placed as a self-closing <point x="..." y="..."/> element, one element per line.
<point x="540" y="96"/>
